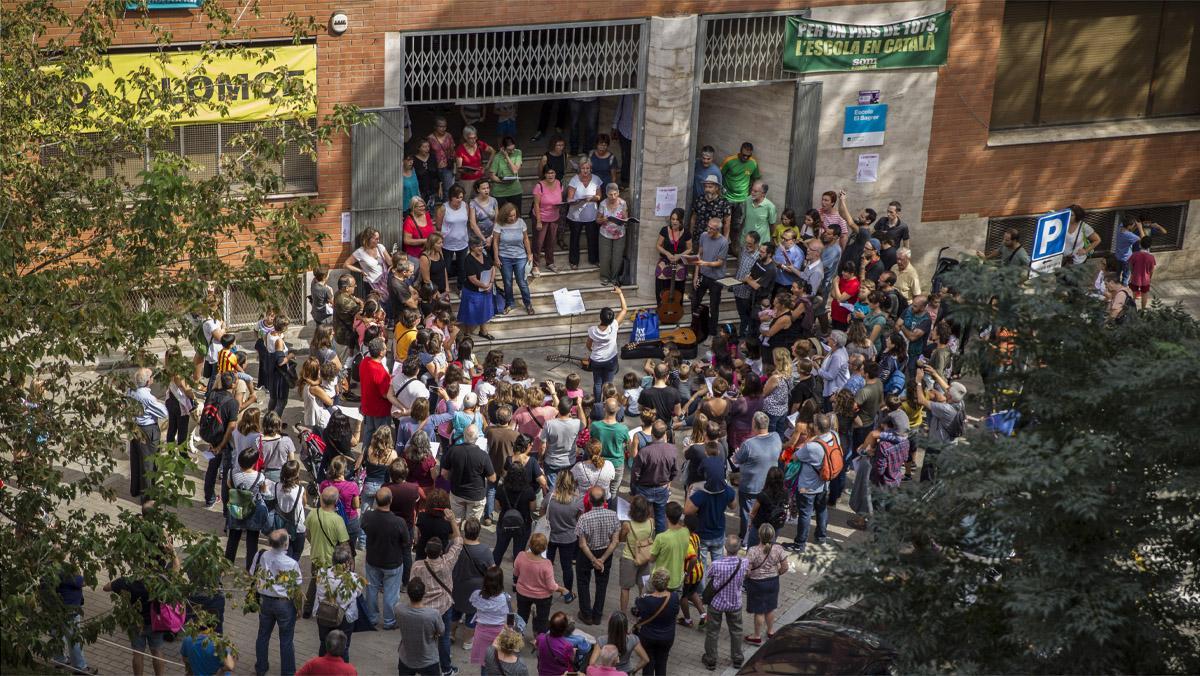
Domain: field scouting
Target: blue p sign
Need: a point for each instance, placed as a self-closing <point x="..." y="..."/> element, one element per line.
<point x="1050" y="236"/>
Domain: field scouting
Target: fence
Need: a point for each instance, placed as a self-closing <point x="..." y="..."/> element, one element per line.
<point x="239" y="308"/>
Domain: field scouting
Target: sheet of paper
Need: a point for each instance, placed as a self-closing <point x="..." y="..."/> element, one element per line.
<point x="665" y="199"/>
<point x="569" y="302"/>
<point x="793" y="417"/>
<point x="351" y="412"/>
<point x="485" y="277"/>
<point x="729" y="282"/>
<point x="622" y="509"/>
<point x="708" y="383"/>
<point x="481" y="442"/>
<point x="207" y="455"/>
<point x="868" y="168"/>
<point x="847" y="307"/>
<point x="434" y="447"/>
<point x="345" y="227"/>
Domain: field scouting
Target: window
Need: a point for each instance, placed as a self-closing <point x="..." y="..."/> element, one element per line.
<point x="1105" y="222"/>
<point x="204" y="144"/>
<point x="1074" y="62"/>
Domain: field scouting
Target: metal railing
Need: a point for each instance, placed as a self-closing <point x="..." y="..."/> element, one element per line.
<point x="744" y="49"/>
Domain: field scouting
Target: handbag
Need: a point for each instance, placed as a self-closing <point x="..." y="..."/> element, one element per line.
<point x="637" y="628"/>
<point x="329" y="614"/>
<point x="166" y="617"/>
<point x="645" y="326"/>
<point x="710" y="592"/>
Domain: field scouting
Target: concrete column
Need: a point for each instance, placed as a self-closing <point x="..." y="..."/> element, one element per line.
<point x="667" y="134"/>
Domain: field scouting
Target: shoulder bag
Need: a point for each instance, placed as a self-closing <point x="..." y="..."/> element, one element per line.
<point x="437" y="579"/>
<point x="710" y="593"/>
<point x="637" y="628"/>
<point x="329" y="613"/>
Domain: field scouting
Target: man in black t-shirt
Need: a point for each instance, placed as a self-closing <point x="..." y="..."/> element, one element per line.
<point x="388" y="539"/>
<point x="227" y="406"/>
<point x="664" y="399"/>
<point x="468" y="469"/>
<point x="142" y="638"/>
<point x="892" y="226"/>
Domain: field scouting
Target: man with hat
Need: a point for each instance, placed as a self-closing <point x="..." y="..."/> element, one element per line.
<point x="947" y="414"/>
<point x="711" y="205"/>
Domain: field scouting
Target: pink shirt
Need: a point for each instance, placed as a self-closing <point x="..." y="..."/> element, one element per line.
<point x="535" y="576"/>
<point x="551" y="200"/>
<point x="348" y="490"/>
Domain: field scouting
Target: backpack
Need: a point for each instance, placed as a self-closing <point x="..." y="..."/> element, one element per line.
<point x="833" y="462"/>
<point x="212" y="425"/>
<point x="1129" y="311"/>
<point x="778" y="515"/>
<point x="511" y="522"/>
<point x="340" y="508"/>
<point x="954" y="428"/>
<point x="896" y="382"/>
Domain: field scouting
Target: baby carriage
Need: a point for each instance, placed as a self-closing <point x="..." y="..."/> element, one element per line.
<point x="312" y="450"/>
<point x="946" y="262"/>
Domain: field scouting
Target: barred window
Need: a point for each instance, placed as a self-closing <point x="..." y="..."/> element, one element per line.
<point x="1076" y="62"/>
<point x="1105" y="222"/>
<point x="204" y="145"/>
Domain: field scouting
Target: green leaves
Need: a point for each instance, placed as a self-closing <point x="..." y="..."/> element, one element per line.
<point x="1093" y="500"/>
<point x="101" y="254"/>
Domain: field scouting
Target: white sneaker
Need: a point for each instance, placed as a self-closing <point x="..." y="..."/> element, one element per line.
<point x="467" y="645"/>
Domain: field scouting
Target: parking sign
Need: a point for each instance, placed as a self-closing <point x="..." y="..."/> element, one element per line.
<point x="1049" y="240"/>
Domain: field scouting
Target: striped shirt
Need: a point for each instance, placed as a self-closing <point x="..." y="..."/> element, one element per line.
<point x="227" y="360"/>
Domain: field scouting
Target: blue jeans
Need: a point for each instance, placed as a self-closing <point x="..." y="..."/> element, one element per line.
<point x="489" y="502"/>
<point x="282" y="612"/>
<point x="807" y="503"/>
<point x="711" y="550"/>
<point x="506" y="128"/>
<point x="779" y="425"/>
<point x="745" y="532"/>
<point x="444" y="640"/>
<point x="387" y="579"/>
<point x="370" y="424"/>
<point x="514" y="267"/>
<point x="72" y="644"/>
<point x="658" y="498"/>
<point x="603" y="372"/>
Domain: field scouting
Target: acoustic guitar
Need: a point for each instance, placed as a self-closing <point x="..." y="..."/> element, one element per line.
<point x="682" y="336"/>
<point x="670" y="301"/>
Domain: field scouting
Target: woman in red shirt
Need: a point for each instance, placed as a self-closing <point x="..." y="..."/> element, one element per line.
<point x="470" y="157"/>
<point x="845" y="290"/>
<point x="418" y="225"/>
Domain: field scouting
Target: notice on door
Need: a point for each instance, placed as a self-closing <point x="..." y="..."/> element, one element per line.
<point x="665" y="199"/>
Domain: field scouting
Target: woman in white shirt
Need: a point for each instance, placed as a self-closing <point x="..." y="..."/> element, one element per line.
<point x="602" y="343"/>
<point x="612" y="235"/>
<point x="583" y="194"/>
<point x="246" y="478"/>
<point x="341" y="585"/>
<point x="371" y="260"/>
<point x="453" y="221"/>
<point x="492" y="607"/>
<point x="595" y="471"/>
<point x="289" y="497"/>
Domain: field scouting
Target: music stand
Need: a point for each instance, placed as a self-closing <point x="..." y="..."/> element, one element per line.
<point x="568" y="303"/>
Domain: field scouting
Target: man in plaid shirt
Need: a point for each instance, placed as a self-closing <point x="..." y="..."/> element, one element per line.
<point x="725" y="575"/>
<point x="597" y="530"/>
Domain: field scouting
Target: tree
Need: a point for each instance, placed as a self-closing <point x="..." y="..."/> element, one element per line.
<point x="79" y="241"/>
<point x="1071" y="546"/>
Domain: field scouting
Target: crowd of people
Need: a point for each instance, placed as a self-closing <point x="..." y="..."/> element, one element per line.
<point x="410" y="448"/>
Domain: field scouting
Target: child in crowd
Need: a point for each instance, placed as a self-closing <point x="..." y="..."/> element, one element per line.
<point x="320" y="297"/>
<point x="766" y="314"/>
<point x="1141" y="270"/>
<point x="574" y="388"/>
<point x="633" y="389"/>
<point x="229" y="358"/>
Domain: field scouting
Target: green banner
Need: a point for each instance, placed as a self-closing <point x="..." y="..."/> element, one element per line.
<point x="822" y="47"/>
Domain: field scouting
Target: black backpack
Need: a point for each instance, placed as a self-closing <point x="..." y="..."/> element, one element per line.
<point x="954" y="428"/>
<point x="778" y="516"/>
<point x="212" y="424"/>
<point x="511" y="522"/>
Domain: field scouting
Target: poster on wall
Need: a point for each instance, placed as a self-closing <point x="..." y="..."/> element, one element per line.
<point x="823" y="47"/>
<point x="868" y="168"/>
<point x="864" y="126"/>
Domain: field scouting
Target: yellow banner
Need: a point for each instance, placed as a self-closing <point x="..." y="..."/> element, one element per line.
<point x="228" y="80"/>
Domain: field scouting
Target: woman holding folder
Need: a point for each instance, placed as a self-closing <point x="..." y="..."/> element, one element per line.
<point x="613" y="216"/>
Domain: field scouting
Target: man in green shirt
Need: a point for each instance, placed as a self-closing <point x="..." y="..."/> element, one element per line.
<point x="760" y="213"/>
<point x="506" y="164"/>
<point x="738" y="173"/>
<point x="613" y="437"/>
<point x="671" y="546"/>
<point x="326" y="530"/>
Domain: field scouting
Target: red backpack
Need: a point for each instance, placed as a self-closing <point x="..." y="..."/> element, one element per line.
<point x="832" y="462"/>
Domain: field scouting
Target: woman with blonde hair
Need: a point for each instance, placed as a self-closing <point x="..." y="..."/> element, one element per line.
<point x="504" y="655"/>
<point x="776" y="390"/>
<point x="595" y="471"/>
<point x="377" y="461"/>
<point x="432" y="264"/>
<point x="562" y="511"/>
<point x="765" y="562"/>
<point x="638" y="535"/>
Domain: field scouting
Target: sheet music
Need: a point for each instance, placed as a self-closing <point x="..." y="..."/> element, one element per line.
<point x="351" y="412"/>
<point x="622" y="509"/>
<point x="569" y="302"/>
<point x="485" y="277"/>
<point x="434" y="447"/>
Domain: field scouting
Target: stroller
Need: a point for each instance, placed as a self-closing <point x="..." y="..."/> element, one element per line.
<point x="312" y="451"/>
<point x="946" y="262"/>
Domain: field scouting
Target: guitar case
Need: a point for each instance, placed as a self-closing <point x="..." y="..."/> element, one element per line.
<point x="653" y="349"/>
<point x="700" y="319"/>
